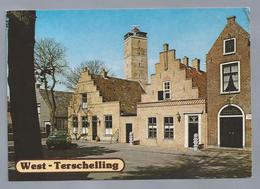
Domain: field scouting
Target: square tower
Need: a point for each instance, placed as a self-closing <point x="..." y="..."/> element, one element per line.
<point x="135" y="56"/>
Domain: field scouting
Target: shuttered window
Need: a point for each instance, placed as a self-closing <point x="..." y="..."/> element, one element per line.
<point x="160" y="95"/>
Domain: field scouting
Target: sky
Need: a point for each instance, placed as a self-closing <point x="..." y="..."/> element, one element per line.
<point x="98" y="34"/>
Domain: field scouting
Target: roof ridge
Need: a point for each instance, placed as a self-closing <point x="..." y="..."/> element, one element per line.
<point x="111" y="77"/>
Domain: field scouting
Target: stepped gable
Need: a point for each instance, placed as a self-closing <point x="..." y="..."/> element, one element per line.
<point x="127" y="92"/>
<point x="199" y="79"/>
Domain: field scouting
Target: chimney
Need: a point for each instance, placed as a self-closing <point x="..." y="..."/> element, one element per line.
<point x="196" y="64"/>
<point x="165" y="47"/>
<point x="231" y="19"/>
<point x="185" y="60"/>
<point x="38" y="86"/>
<point x="104" y="73"/>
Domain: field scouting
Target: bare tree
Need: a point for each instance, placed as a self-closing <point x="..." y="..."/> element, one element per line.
<point x="50" y="64"/>
<point x="27" y="136"/>
<point x="94" y="67"/>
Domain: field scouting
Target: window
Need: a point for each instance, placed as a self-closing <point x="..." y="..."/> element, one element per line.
<point x="229" y="46"/>
<point x="84" y="97"/>
<point x="84" y="120"/>
<point x="168" y="127"/>
<point x="84" y="100"/>
<point x="166" y="93"/>
<point x="167" y="89"/>
<point x="75" y="121"/>
<point x="152" y="128"/>
<point x="230" y="77"/>
<point x="108" y="125"/>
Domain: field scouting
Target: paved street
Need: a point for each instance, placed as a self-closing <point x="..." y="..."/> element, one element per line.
<point x="143" y="162"/>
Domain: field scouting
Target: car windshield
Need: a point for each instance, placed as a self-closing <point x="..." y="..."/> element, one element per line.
<point x="58" y="134"/>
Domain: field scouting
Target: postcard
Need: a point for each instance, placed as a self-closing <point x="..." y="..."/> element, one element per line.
<point x="127" y="94"/>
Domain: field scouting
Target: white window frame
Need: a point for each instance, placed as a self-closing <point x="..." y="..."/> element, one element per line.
<point x="168" y="90"/>
<point x="84" y="129"/>
<point x="221" y="77"/>
<point x="168" y="127"/>
<point x="153" y="127"/>
<point x="108" y="131"/>
<point x="84" y="103"/>
<point x="224" y="46"/>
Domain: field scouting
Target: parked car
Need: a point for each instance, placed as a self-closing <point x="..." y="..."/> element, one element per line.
<point x="58" y="139"/>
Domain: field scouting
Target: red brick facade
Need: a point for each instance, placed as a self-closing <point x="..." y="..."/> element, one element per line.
<point x="242" y="98"/>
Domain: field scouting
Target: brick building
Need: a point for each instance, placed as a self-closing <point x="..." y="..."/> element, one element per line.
<point x="229" y="88"/>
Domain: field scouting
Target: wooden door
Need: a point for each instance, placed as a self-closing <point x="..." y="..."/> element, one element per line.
<point x="231" y="132"/>
<point x="94" y="127"/>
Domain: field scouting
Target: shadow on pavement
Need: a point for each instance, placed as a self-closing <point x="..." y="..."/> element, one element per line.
<point x="72" y="152"/>
<point x="190" y="168"/>
<point x="75" y="152"/>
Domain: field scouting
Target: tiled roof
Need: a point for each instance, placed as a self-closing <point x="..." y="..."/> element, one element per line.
<point x="199" y="79"/>
<point x="127" y="92"/>
<point x="62" y="101"/>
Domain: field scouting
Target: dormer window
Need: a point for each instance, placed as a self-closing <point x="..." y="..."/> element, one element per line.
<point x="229" y="46"/>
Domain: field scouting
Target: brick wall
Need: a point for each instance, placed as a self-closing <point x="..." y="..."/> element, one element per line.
<point x="215" y="57"/>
